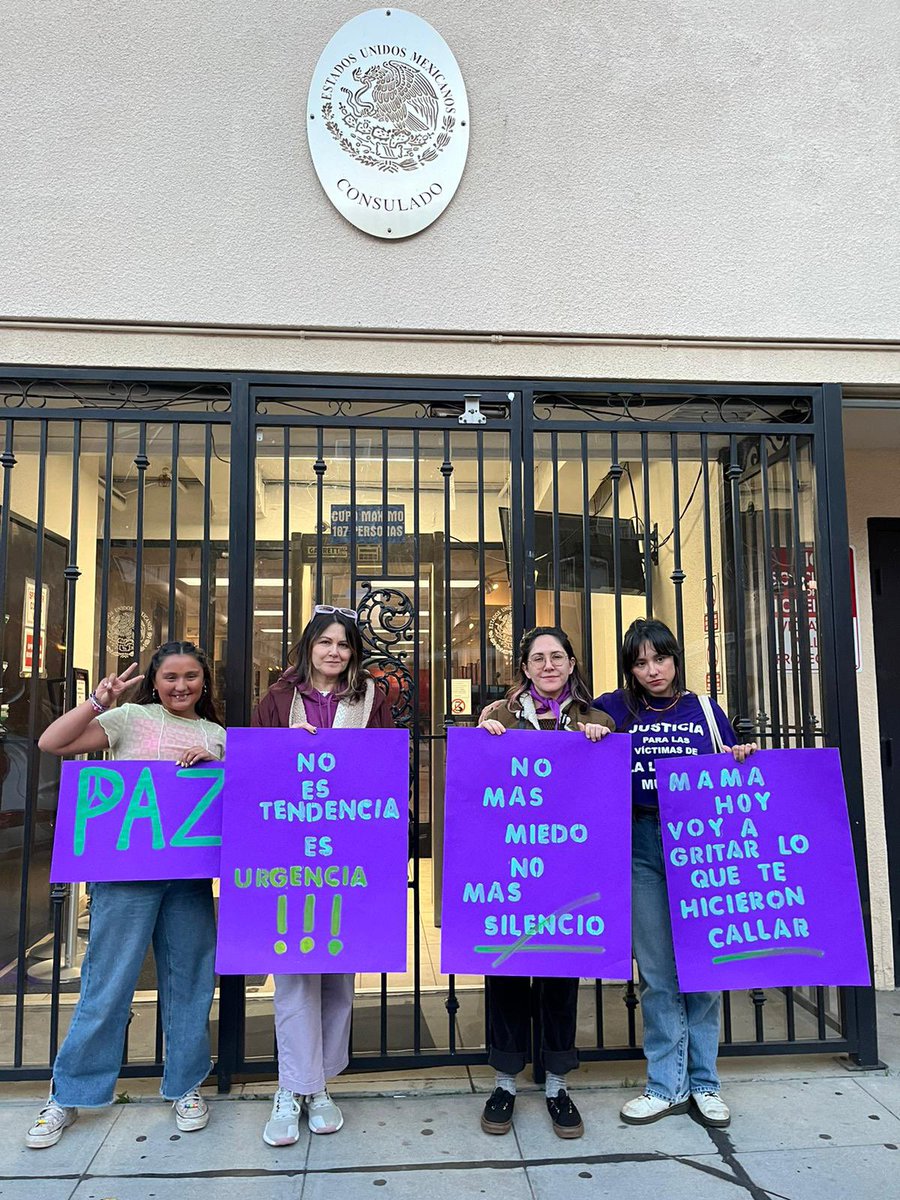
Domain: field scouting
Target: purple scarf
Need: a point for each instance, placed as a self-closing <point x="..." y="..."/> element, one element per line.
<point x="547" y="705"/>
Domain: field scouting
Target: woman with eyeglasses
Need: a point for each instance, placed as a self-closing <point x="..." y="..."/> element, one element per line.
<point x="681" y="1029"/>
<point x="324" y="687"/>
<point x="550" y="693"/>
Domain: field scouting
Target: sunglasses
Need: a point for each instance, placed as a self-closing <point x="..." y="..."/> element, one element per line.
<point x="327" y="609"/>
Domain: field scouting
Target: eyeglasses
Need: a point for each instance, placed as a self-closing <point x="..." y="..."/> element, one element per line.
<point x="557" y="658"/>
<point x="326" y="609"/>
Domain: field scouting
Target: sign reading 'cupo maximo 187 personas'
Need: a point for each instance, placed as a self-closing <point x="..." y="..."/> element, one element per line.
<point x="388" y="123"/>
<point x="762" y="880"/>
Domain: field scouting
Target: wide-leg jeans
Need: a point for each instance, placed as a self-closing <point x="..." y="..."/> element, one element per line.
<point x="177" y="916"/>
<point x="681" y="1029"/>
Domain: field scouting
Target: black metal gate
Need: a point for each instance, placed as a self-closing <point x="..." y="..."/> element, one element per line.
<point x="451" y="513"/>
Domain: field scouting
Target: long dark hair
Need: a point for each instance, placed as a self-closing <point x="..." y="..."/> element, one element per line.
<point x="205" y="706"/>
<point x="351" y="684"/>
<point x="578" y="685"/>
<point x="663" y="641"/>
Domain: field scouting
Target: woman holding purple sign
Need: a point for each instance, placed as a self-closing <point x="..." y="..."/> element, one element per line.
<point x="550" y="694"/>
<point x="173" y="717"/>
<point x="681" y="1029"/>
<point x="324" y="687"/>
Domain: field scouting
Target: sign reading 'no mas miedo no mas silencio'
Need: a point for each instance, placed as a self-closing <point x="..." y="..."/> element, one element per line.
<point x="314" y="851"/>
<point x="759" y="863"/>
<point x="537" y="855"/>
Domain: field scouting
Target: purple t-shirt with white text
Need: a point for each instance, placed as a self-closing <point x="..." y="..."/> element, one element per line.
<point x="681" y="729"/>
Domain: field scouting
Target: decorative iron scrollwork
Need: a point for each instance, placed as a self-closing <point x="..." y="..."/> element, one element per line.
<point x="119" y="394"/>
<point x="727" y="408"/>
<point x="386" y="621"/>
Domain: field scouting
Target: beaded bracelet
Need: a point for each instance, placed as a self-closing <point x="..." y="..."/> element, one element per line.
<point x="95" y="703"/>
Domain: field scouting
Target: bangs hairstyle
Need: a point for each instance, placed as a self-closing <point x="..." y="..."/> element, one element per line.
<point x="664" y="642"/>
<point x="205" y="706"/>
<point x="579" y="688"/>
<point x="351" y="684"/>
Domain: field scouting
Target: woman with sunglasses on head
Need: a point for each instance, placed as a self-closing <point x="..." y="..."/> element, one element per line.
<point x="681" y="1029"/>
<point x="550" y="693"/>
<point x="324" y="687"/>
<point x="172" y="717"/>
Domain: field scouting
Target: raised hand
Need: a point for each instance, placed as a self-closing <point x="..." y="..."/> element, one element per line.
<point x="111" y="687"/>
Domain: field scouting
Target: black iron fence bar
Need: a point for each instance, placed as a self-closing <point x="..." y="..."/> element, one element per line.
<point x="678" y="576"/>
<point x="790" y="584"/>
<point x="521" y="520"/>
<point x="320" y="468"/>
<point x="734" y="473"/>
<point x="207" y="569"/>
<point x="174" y="471"/>
<point x="106" y="550"/>
<point x="352" y="550"/>
<point x="415" y="732"/>
<point x="238" y="668"/>
<point x="711" y="613"/>
<point x="840" y="690"/>
<point x="385" y="464"/>
<point x="385" y="570"/>
<point x="33" y="754"/>
<point x="482" y="575"/>
<point x="727" y="1027"/>
<point x="587" y="591"/>
<point x="286" y="491"/>
<point x="8" y="461"/>
<point x="648" y="528"/>
<point x="777" y="699"/>
<point x="262" y="383"/>
<point x="615" y="472"/>
<point x="141" y="462"/>
<point x="554" y="466"/>
<point x="804" y="665"/>
<point x="739" y="429"/>
<point x="446" y="472"/>
<point x="60" y="893"/>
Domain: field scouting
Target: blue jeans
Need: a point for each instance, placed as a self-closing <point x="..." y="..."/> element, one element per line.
<point x="681" y="1029"/>
<point x="177" y="914"/>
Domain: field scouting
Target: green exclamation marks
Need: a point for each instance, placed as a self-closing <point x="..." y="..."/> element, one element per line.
<point x="280" y="947"/>
<point x="309" y="919"/>
<point x="335" y="946"/>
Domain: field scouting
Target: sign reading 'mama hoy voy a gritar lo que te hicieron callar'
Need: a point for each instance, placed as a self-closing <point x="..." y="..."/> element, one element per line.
<point x="388" y="123"/>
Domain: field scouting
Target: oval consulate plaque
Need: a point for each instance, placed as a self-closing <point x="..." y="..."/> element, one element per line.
<point x="388" y="123"/>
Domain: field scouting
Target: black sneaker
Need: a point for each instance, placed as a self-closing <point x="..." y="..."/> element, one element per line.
<point x="498" y="1112"/>
<point x="567" y="1122"/>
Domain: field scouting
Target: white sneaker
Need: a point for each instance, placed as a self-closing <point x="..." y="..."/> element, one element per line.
<point x="712" y="1109"/>
<point x="191" y="1112"/>
<point x="283" y="1126"/>
<point x="322" y="1114"/>
<point x="49" y="1126"/>
<point x="644" y="1109"/>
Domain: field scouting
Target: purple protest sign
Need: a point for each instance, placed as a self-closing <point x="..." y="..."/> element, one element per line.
<point x="537" y="855"/>
<point x="314" y="851"/>
<point x="123" y="820"/>
<point x="759" y="863"/>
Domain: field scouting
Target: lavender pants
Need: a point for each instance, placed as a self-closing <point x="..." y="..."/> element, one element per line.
<point x="312" y="1025"/>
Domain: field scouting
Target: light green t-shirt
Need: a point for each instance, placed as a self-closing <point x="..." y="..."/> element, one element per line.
<point x="148" y="731"/>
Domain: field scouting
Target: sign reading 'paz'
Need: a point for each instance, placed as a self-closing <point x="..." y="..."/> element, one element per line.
<point x="388" y="123"/>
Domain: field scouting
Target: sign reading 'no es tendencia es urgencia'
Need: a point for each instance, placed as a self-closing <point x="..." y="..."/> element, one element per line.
<point x="388" y="123"/>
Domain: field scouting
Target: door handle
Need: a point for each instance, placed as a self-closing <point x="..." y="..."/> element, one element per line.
<point x="887" y="752"/>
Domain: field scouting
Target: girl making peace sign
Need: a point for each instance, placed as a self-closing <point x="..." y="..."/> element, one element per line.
<point x="173" y="717"/>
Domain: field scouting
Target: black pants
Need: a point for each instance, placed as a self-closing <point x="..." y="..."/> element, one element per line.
<point x="510" y="1001"/>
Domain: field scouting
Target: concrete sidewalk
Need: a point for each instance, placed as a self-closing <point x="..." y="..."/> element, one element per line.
<point x="804" y="1128"/>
